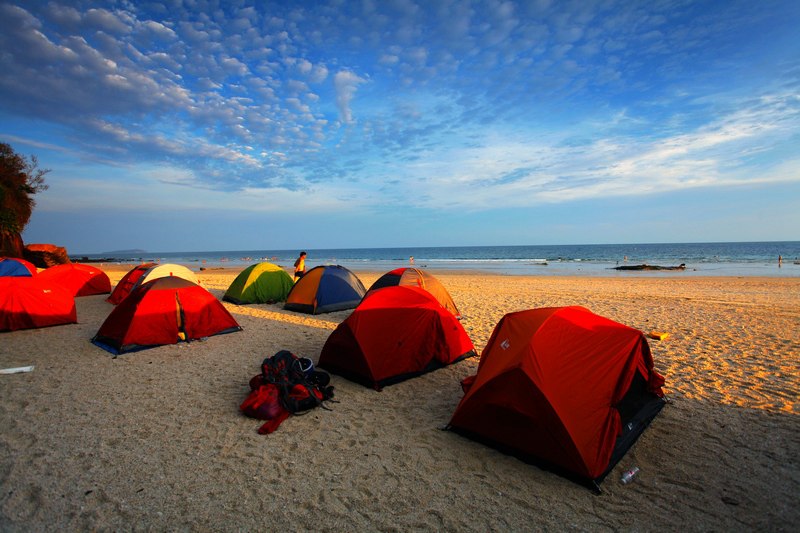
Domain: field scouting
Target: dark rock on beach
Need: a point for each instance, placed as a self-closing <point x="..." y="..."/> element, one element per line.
<point x="46" y="255"/>
<point x="682" y="266"/>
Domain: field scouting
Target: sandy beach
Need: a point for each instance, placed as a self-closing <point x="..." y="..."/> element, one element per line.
<point x="154" y="441"/>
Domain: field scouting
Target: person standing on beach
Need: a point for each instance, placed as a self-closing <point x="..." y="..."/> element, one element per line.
<point x="300" y="266"/>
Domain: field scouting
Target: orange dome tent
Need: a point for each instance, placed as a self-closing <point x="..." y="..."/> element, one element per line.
<point x="394" y="334"/>
<point x="414" y="277"/>
<point x="564" y="388"/>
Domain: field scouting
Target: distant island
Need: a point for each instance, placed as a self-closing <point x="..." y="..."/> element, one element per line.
<point x="115" y="256"/>
<point x="125" y="252"/>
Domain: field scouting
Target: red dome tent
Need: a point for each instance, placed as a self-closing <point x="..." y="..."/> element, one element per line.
<point x="414" y="277"/>
<point x="394" y="334"/>
<point x="77" y="279"/>
<point x="16" y="267"/>
<point x="26" y="303"/>
<point x="127" y="282"/>
<point x="163" y="311"/>
<point x="564" y="388"/>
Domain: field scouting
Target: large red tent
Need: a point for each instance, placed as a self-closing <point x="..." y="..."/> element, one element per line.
<point x="26" y="303"/>
<point x="395" y="333"/>
<point x="562" y="387"/>
<point x="163" y="311"/>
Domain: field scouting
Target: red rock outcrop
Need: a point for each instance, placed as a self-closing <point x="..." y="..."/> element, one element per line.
<point x="46" y="255"/>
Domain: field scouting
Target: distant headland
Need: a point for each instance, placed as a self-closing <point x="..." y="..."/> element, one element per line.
<point x="114" y="256"/>
<point x="125" y="252"/>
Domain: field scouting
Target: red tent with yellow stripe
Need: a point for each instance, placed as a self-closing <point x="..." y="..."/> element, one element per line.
<point x="163" y="311"/>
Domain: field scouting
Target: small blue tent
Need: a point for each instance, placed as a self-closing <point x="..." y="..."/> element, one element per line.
<point x="324" y="289"/>
<point x="13" y="267"/>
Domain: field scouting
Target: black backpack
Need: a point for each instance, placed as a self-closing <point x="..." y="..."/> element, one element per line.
<point x="300" y="386"/>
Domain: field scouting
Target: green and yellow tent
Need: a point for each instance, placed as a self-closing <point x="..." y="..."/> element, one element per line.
<point x="258" y="284"/>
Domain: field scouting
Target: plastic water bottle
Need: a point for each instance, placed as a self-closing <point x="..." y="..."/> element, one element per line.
<point x="628" y="476"/>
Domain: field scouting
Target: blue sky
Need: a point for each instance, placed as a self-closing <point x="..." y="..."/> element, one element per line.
<point x="201" y="125"/>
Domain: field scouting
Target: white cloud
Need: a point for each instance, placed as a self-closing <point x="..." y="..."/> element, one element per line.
<point x="318" y="74"/>
<point x="525" y="171"/>
<point x="417" y="55"/>
<point x="233" y="65"/>
<point x="346" y="83"/>
<point x="106" y="21"/>
<point x="158" y="30"/>
<point x="64" y="15"/>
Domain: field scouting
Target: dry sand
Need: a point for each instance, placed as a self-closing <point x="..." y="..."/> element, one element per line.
<point x="153" y="440"/>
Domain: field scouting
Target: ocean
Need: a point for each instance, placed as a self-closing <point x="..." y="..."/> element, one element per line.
<point x="701" y="259"/>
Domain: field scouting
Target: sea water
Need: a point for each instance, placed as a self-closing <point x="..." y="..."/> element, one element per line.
<point x="701" y="259"/>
